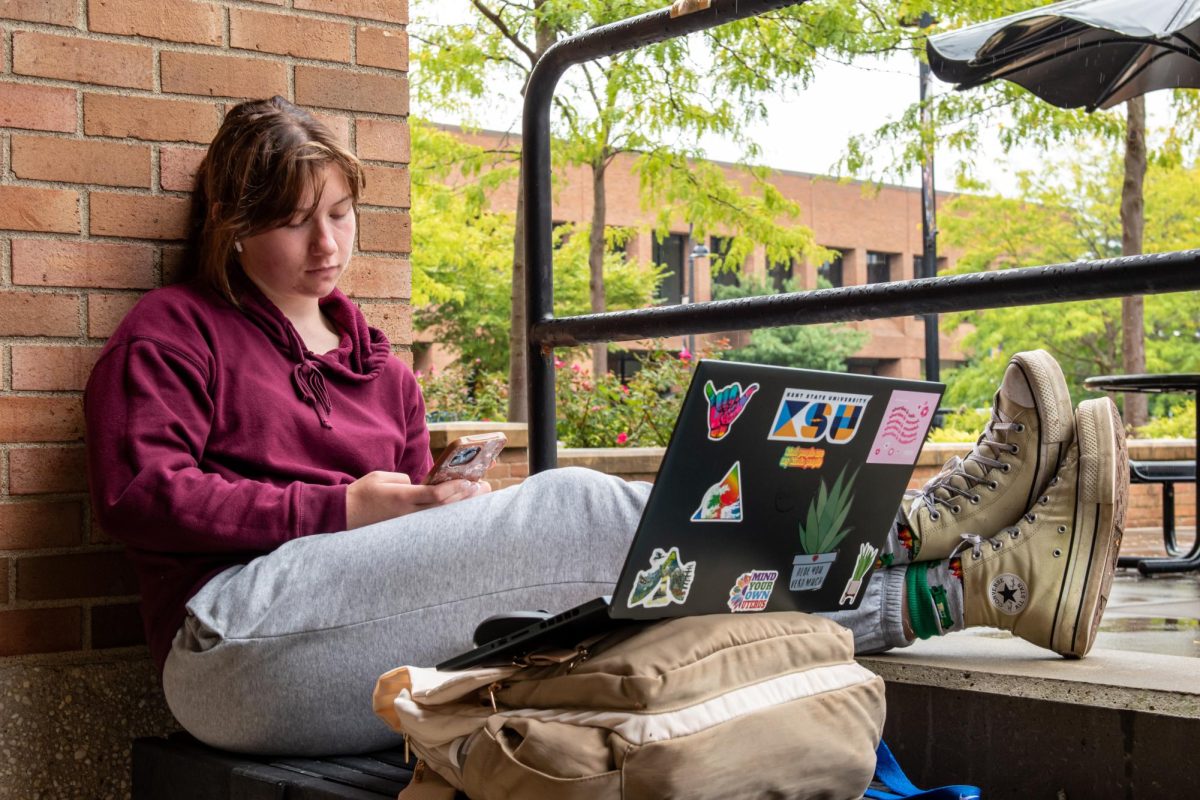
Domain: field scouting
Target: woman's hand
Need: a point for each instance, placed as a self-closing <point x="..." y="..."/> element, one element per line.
<point x="379" y="495"/>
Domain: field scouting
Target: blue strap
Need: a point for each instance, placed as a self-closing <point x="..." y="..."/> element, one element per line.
<point x="898" y="786"/>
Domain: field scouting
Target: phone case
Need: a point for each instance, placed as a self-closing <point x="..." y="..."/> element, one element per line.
<point x="467" y="458"/>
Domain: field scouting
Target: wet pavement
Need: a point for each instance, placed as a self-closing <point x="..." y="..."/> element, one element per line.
<point x="1159" y="614"/>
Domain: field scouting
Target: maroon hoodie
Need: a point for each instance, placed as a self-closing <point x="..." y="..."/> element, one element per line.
<point x="214" y="435"/>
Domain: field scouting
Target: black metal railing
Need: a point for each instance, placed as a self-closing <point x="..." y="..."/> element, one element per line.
<point x="1153" y="274"/>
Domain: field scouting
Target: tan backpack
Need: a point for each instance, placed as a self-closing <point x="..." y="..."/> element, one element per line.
<point x="725" y="706"/>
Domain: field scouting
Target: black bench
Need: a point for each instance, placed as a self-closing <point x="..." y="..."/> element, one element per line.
<point x="1166" y="473"/>
<point x="180" y="768"/>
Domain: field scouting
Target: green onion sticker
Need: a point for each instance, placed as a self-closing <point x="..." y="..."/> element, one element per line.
<point x="862" y="565"/>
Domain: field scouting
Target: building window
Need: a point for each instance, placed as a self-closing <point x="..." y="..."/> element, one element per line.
<point x="879" y="267"/>
<point x="832" y="270"/>
<point x="669" y="253"/>
<point x="779" y="273"/>
<point x="718" y="248"/>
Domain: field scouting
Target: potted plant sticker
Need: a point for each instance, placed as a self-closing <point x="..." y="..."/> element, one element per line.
<point x="821" y="532"/>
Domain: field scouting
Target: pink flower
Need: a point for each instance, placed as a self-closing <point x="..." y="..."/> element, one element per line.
<point x="558" y="363"/>
<point x="622" y="437"/>
<point x="685" y="355"/>
<point x="575" y="368"/>
<point x="624" y="388"/>
<point x="417" y="374"/>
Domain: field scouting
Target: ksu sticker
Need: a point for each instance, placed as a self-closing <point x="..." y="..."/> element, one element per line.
<point x="752" y="590"/>
<point x="802" y="458"/>
<point x="668" y="580"/>
<point x="725" y="406"/>
<point x="810" y="416"/>
<point x="905" y="421"/>
<point x="723" y="501"/>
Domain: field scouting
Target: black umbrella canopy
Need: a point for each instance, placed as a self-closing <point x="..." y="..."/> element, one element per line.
<point x="1079" y="53"/>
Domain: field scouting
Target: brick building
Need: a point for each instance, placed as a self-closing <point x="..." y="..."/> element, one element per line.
<point x="878" y="234"/>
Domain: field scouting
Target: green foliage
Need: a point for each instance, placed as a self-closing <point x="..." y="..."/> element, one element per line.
<point x="822" y="531"/>
<point x="806" y="346"/>
<point x="963" y="425"/>
<point x="1070" y="212"/>
<point x="601" y="412"/>
<point x="464" y="393"/>
<point x="462" y="252"/>
<point x="1178" y="421"/>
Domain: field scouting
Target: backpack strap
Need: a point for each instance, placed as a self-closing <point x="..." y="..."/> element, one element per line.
<point x="897" y="786"/>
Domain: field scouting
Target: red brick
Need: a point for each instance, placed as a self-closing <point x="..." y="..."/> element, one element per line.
<point x="222" y="76"/>
<point x="172" y="20"/>
<point x="387" y="231"/>
<point x="117" y="626"/>
<point x="40" y="419"/>
<point x="393" y="319"/>
<point x="177" y="167"/>
<point x="37" y="108"/>
<point x="74" y="58"/>
<point x="383" y="140"/>
<point x="138" y="215"/>
<point x="381" y="47"/>
<point x="105" y="312"/>
<point x="54" y="262"/>
<point x="106" y="573"/>
<point x="332" y="88"/>
<point x="30" y="526"/>
<point x="40" y="630"/>
<point x="377" y="276"/>
<point x="289" y="35"/>
<point x="383" y="10"/>
<point x="54" y="12"/>
<point x="52" y="368"/>
<point x="27" y="209"/>
<point x="386" y="186"/>
<point x="50" y="158"/>
<point x="38" y="314"/>
<point x="47" y="470"/>
<point x="149" y="118"/>
<point x="339" y="126"/>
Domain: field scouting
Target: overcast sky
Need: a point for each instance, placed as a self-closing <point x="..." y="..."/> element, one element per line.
<point x="809" y="132"/>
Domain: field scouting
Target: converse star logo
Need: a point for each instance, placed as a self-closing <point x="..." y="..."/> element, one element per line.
<point x="1009" y="594"/>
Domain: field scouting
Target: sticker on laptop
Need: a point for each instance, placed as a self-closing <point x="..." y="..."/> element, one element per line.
<point x="752" y="590"/>
<point x="667" y="580"/>
<point x="723" y="501"/>
<point x="862" y="565"/>
<point x="905" y="421"/>
<point x="810" y="416"/>
<point x="725" y="405"/>
<point x="822" y="529"/>
<point x="797" y="457"/>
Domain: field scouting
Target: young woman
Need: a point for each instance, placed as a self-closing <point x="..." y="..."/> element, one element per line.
<point x="260" y="451"/>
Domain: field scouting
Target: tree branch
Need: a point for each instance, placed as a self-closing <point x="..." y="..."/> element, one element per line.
<point x="501" y="26"/>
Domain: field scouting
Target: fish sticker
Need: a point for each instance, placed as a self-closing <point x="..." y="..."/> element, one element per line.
<point x="725" y="405"/>
<point x="667" y="580"/>
<point x="723" y="501"/>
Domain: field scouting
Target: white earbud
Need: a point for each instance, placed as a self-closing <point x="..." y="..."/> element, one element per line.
<point x="237" y="245"/>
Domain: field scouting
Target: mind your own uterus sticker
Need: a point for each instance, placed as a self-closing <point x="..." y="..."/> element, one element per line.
<point x="905" y="422"/>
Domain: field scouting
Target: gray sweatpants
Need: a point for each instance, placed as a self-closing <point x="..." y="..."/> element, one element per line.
<point x="281" y="655"/>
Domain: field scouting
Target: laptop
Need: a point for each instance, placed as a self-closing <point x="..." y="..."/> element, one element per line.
<point x="776" y="493"/>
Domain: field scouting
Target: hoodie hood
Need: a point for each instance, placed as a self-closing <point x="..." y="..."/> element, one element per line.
<point x="359" y="358"/>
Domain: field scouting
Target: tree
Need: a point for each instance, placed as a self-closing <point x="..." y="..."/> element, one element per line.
<point x="1068" y="213"/>
<point x="462" y="251"/>
<point x="658" y="101"/>
<point x="805" y="346"/>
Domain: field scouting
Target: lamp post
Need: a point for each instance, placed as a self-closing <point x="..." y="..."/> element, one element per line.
<point x="928" y="214"/>
<point x="698" y="251"/>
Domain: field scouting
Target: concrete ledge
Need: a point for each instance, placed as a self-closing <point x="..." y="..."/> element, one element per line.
<point x="995" y="662"/>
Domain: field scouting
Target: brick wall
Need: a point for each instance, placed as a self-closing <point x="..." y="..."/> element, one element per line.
<point x="105" y="109"/>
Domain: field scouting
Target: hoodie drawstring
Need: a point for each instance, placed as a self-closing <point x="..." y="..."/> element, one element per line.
<point x="310" y="385"/>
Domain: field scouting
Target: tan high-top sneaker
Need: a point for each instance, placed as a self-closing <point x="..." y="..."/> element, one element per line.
<point x="1012" y="462"/>
<point x="1047" y="579"/>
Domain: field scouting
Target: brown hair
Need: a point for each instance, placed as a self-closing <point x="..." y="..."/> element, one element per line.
<point x="252" y="179"/>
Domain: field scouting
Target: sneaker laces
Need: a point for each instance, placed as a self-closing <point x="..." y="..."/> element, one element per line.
<point x="975" y="543"/>
<point x="960" y="476"/>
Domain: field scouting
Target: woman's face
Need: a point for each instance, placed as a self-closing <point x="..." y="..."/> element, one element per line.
<point x="301" y="260"/>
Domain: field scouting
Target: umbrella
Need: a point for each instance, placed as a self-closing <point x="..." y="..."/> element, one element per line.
<point x="1090" y="53"/>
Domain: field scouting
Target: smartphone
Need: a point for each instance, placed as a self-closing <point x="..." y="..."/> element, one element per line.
<point x="467" y="458"/>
